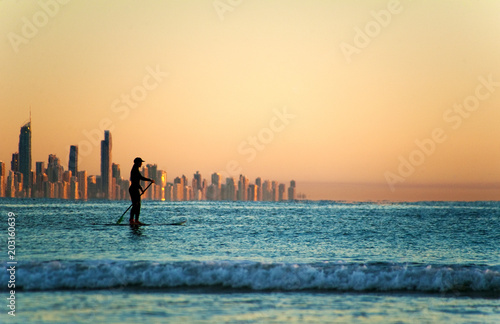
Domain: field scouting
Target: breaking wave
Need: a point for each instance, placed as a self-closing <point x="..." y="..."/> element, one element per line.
<point x="255" y="276"/>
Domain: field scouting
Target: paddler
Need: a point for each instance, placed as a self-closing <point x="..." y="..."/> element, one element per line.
<point x="136" y="191"/>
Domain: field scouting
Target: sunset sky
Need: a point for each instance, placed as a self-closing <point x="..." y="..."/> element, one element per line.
<point x="370" y="98"/>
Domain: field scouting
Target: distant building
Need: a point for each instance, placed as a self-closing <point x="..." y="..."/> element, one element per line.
<point x="252" y="192"/>
<point x="198" y="179"/>
<point x="266" y="191"/>
<point x="188" y="193"/>
<point x="243" y="188"/>
<point x="230" y="190"/>
<point x="14" y="163"/>
<point x="169" y="191"/>
<point x="92" y="187"/>
<point x="41" y="176"/>
<point x="153" y="172"/>
<point x="199" y="188"/>
<point x="106" y="161"/>
<point x="179" y="185"/>
<point x="25" y="157"/>
<point x="115" y="171"/>
<point x="48" y="189"/>
<point x="67" y="176"/>
<point x="83" y="185"/>
<point x="40" y="167"/>
<point x="211" y="192"/>
<point x="9" y="187"/>
<point x="2" y="179"/>
<point x="184" y="180"/>
<point x="53" y="158"/>
<point x="54" y="170"/>
<point x="217" y="182"/>
<point x="281" y="192"/>
<point x="162" y="177"/>
<point x="258" y="183"/>
<point x="274" y="193"/>
<point x="63" y="190"/>
<point x="178" y="191"/>
<point x="291" y="191"/>
<point x="73" y="188"/>
<point x="73" y="160"/>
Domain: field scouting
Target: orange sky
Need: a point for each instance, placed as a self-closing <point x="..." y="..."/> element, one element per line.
<point x="384" y="93"/>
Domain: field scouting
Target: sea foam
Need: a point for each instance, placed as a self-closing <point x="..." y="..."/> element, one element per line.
<point x="256" y="276"/>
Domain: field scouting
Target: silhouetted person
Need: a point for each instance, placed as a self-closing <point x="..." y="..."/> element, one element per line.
<point x="136" y="190"/>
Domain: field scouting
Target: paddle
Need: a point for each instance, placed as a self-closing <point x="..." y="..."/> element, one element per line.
<point x="121" y="217"/>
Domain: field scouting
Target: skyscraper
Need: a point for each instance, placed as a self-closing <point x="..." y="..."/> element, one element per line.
<point x="281" y="192"/>
<point x="14" y="163"/>
<point x="106" y="161"/>
<point x="37" y="190"/>
<point x="82" y="184"/>
<point x="40" y="168"/>
<point x="252" y="192"/>
<point x="73" y="160"/>
<point x="258" y="183"/>
<point x="217" y="182"/>
<point x="197" y="178"/>
<point x="243" y="188"/>
<point x="162" y="176"/>
<point x="117" y="178"/>
<point x="25" y="156"/>
<point x="178" y="189"/>
<point x="230" y="189"/>
<point x="153" y="172"/>
<point x="10" y="190"/>
<point x="2" y="179"/>
<point x="291" y="190"/>
<point x="116" y="171"/>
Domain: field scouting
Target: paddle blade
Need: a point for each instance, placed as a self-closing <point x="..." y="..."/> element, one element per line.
<point x="120" y="220"/>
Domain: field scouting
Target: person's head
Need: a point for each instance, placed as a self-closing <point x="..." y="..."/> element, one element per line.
<point x="138" y="161"/>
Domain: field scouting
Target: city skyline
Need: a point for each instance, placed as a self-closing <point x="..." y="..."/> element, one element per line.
<point x="56" y="182"/>
<point x="370" y="100"/>
<point x="310" y="190"/>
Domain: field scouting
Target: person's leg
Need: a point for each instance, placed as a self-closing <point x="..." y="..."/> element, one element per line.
<point x="138" y="209"/>
<point x="135" y="197"/>
<point x="133" y="211"/>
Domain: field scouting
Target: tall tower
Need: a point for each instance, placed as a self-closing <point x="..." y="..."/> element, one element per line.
<point x="2" y="179"/>
<point x="231" y="189"/>
<point x="82" y="184"/>
<point x="25" y="156"/>
<point x="106" y="171"/>
<point x="217" y="182"/>
<point x="243" y="188"/>
<point x="197" y="177"/>
<point x="73" y="160"/>
<point x="291" y="190"/>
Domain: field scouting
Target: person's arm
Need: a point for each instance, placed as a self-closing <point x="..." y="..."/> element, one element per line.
<point x="147" y="179"/>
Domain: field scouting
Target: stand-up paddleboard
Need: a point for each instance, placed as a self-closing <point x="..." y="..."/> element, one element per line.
<point x="145" y="224"/>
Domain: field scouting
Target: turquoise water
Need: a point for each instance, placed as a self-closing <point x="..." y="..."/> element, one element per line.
<point x="254" y="262"/>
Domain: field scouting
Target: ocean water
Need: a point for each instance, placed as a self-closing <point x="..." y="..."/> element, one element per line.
<point x="244" y="262"/>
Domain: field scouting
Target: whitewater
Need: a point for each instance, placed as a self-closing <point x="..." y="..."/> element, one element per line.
<point x="254" y="262"/>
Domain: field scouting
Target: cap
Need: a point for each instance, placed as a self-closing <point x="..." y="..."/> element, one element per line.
<point x="138" y="159"/>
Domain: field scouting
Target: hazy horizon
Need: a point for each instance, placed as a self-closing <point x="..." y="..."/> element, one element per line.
<point x="372" y="98"/>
